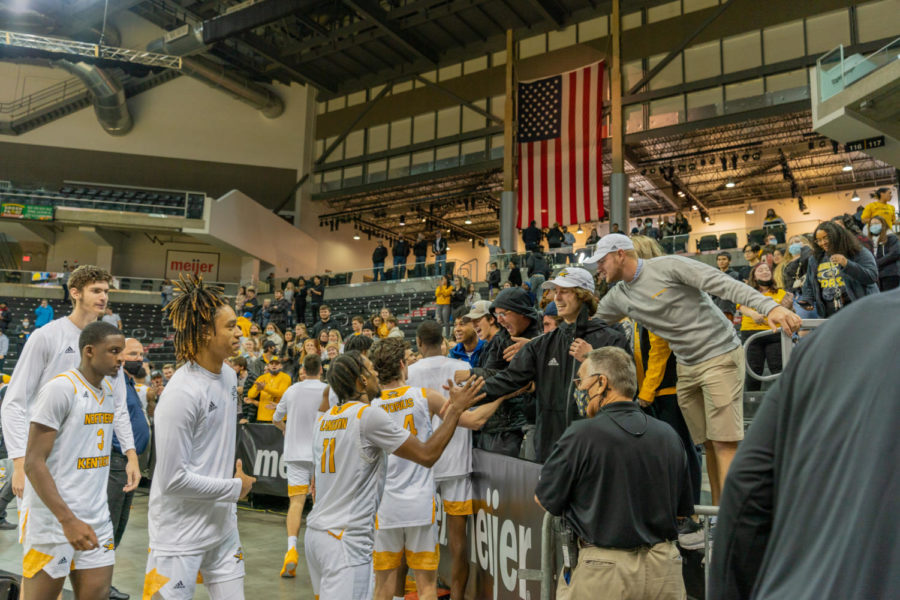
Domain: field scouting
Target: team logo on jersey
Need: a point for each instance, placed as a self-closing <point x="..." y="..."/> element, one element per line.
<point x="62" y="561"/>
<point x="553" y="362"/>
<point x="85" y="395"/>
<point x="108" y="546"/>
<point x="239" y="555"/>
<point x="179" y="585"/>
<point x="212" y="406"/>
<point x="69" y="350"/>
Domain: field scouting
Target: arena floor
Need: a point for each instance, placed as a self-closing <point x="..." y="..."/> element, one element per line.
<point x="262" y="535"/>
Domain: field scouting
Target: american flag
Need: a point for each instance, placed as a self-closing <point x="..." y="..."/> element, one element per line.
<point x="560" y="174"/>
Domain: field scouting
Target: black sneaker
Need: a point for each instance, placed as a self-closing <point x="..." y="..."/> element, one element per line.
<point x="115" y="594"/>
<point x="6" y="525"/>
<point x="690" y="535"/>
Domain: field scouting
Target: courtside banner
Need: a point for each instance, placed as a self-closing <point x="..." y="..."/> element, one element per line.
<point x="260" y="448"/>
<point x="504" y="535"/>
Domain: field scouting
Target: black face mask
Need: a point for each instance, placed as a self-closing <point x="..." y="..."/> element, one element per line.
<point x="135" y="368"/>
<point x="764" y="282"/>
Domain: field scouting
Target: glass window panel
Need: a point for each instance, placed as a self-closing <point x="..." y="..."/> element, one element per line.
<point x="472" y="151"/>
<point x="404" y="86"/>
<point x="498" y="58"/>
<point x="664" y="11"/>
<point x="692" y="5"/>
<point x="742" y="52"/>
<point x="498" y="106"/>
<point x="632" y="73"/>
<point x="376" y="170"/>
<point x="321" y="108"/>
<point x="356" y="98"/>
<point x="669" y="76"/>
<point x="400" y="133"/>
<point x="634" y="118"/>
<point x="423" y="157"/>
<point x="827" y="31"/>
<point x="471" y="119"/>
<point x="373" y="91"/>
<point x="593" y="29"/>
<point x="378" y="138"/>
<point x="562" y="39"/>
<point x="744" y="89"/>
<point x="667" y="111"/>
<point x="631" y="20"/>
<point x="398" y="166"/>
<point x="450" y="72"/>
<point x="702" y="61"/>
<point x="786" y="81"/>
<point x="448" y="121"/>
<point x="877" y="20"/>
<point x="532" y="46"/>
<point x="704" y="104"/>
<point x="353" y="145"/>
<point x="423" y="128"/>
<point x="475" y="65"/>
<point x="447" y="156"/>
<point x="332" y="176"/>
<point x="337" y="153"/>
<point x="337" y="103"/>
<point x="353" y="175"/>
<point x="783" y="42"/>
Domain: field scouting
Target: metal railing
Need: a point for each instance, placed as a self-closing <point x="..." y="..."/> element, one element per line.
<point x="121" y="283"/>
<point x="787" y="346"/>
<point x="98" y="202"/>
<point x="837" y="71"/>
<point x="43" y="99"/>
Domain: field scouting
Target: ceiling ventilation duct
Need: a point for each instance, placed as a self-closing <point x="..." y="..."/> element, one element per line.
<point x="108" y="95"/>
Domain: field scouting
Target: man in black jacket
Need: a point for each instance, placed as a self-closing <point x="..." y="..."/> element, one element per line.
<point x="515" y="275"/>
<point x="279" y="311"/>
<point x="509" y="319"/>
<point x="400" y="252"/>
<point x="378" y="257"/>
<point x="555" y="240"/>
<point x="548" y="360"/>
<point x="420" y="251"/>
<point x="532" y="236"/>
<point x="439" y="247"/>
<point x="537" y="262"/>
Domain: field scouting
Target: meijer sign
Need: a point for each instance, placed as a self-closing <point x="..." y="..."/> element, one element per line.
<point x="205" y="264"/>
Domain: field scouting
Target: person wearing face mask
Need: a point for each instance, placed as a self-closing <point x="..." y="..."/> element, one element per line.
<point x="793" y="272"/>
<point x="766" y="349"/>
<point x="624" y="541"/>
<point x="887" y="252"/>
<point x="268" y="389"/>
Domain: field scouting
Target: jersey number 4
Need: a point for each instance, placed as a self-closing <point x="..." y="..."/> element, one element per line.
<point x="409" y="423"/>
<point x="328" y="454"/>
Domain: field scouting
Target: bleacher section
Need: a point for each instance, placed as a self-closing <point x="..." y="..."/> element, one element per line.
<point x="145" y="201"/>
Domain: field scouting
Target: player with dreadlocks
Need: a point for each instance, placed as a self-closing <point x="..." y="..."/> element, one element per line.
<point x="193" y="516"/>
<point x="349" y="446"/>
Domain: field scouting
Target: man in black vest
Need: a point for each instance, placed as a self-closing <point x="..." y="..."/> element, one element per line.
<point x="420" y="251"/>
<point x="400" y="252"/>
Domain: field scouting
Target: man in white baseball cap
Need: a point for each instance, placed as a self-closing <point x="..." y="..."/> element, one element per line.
<point x="666" y="295"/>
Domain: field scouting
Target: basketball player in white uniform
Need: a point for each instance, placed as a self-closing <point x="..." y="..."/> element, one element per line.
<point x="66" y="530"/>
<point x="451" y="472"/>
<point x="193" y="497"/>
<point x="405" y="523"/>
<point x="349" y="452"/>
<point x="296" y="416"/>
<point x="50" y="350"/>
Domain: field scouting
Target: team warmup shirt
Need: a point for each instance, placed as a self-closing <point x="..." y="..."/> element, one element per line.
<point x="141" y="390"/>
<point x="433" y="373"/>
<point x="49" y="351"/>
<point x="408" y="498"/>
<point x="300" y="403"/>
<point x="194" y="492"/>
<point x="349" y="454"/>
<point x="83" y="417"/>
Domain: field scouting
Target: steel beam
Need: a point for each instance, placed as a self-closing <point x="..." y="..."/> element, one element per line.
<point x="550" y="11"/>
<point x="255" y="15"/>
<point x="460" y="99"/>
<point x="375" y="14"/>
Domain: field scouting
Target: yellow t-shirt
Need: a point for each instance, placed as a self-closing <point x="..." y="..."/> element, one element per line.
<point x="878" y="209"/>
<point x="383" y="330"/>
<point x="272" y="393"/>
<point x="748" y="324"/>
<point x="442" y="294"/>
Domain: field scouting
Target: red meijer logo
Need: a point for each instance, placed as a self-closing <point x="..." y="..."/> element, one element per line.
<point x="195" y="266"/>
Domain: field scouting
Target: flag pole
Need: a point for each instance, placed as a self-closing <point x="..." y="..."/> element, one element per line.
<point x="508" y="201"/>
<point x="618" y="185"/>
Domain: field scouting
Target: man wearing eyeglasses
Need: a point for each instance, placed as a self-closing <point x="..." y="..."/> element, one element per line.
<point x="597" y="477"/>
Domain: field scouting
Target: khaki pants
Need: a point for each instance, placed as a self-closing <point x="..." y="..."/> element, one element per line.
<point x="638" y="574"/>
<point x="711" y="397"/>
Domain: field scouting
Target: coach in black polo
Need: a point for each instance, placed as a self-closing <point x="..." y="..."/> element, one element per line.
<point x="620" y="479"/>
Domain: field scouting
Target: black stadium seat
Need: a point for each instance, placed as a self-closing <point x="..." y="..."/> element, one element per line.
<point x="727" y="241"/>
<point x="707" y="243"/>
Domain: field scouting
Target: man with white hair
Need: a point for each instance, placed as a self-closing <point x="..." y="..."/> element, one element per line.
<point x="670" y="296"/>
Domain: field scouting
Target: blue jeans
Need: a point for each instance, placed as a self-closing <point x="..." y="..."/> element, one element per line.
<point x="440" y="264"/>
<point x="419" y="271"/>
<point x="803" y="313"/>
<point x="399" y="267"/>
<point x="378" y="270"/>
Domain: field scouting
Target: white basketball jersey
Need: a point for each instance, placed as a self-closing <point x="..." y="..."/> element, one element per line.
<point x="300" y="404"/>
<point x="349" y="466"/>
<point x="83" y="417"/>
<point x="408" y="498"/>
<point x="433" y="373"/>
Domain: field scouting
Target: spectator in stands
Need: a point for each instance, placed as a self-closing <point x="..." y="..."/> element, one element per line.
<point x="550" y="319"/>
<point x="369" y="329"/>
<point x="25" y="328"/>
<point x="568" y="246"/>
<point x="378" y="326"/>
<point x="249" y="349"/>
<point x="537" y="263"/>
<point x="394" y="330"/>
<point x="258" y="366"/>
<point x="666" y="227"/>
<point x="457" y="298"/>
<point x="273" y="334"/>
<point x="325" y="323"/>
<point x="251" y="304"/>
<point x="472" y="296"/>
<point x="332" y="351"/>
<point x="310" y="346"/>
<point x="268" y="389"/>
<point x="323" y="338"/>
<point x="265" y="312"/>
<point x="5" y="317"/>
<point x="751" y="255"/>
<point x="64" y="281"/>
<point x="382" y="326"/>
<point x="168" y="370"/>
<point x="839" y="271"/>
<point x="316" y="296"/>
<point x="849" y="223"/>
<point x="439" y="248"/>
<point x="501" y="325"/>
<point x="300" y="292"/>
<point x="290" y="353"/>
<point x="682" y="226"/>
<point x="356" y="325"/>
<point x="334" y="337"/>
<point x="493" y="280"/>
<point x="626" y="538"/>
<point x="794" y="273"/>
<point x="768" y="349"/>
<point x="614" y="228"/>
<point x="638" y="226"/>
<point x="772" y="219"/>
<point x="515" y="275"/>
<point x="555" y="240"/>
<point x="710" y="357"/>
<point x="400" y="252"/>
<point x="256" y="333"/>
<point x="379" y="255"/>
<point x="880" y="207"/>
<point x="442" y="295"/>
<point x="43" y="314"/>
<point x="300" y="332"/>
<point x="468" y="347"/>
<point x="157" y="382"/>
<point x="723" y="262"/>
<point x="4" y="348"/>
<point x="359" y="343"/>
<point x="548" y="360"/>
<point x="420" y="251"/>
<point x="649" y="230"/>
<point x="280" y="311"/>
<point x="593" y="238"/>
<point x="887" y="252"/>
<point x="532" y="237"/>
<point x="239" y="298"/>
<point x="771" y="241"/>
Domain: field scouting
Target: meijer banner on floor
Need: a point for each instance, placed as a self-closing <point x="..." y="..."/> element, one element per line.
<point x="261" y="450"/>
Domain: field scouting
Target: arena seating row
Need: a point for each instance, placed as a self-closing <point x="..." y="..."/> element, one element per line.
<point x="111" y="198"/>
<point x="728" y="241"/>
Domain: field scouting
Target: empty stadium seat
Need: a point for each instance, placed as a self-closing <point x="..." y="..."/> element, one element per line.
<point x="707" y="243"/>
<point x="728" y="241"/>
<point x="757" y="236"/>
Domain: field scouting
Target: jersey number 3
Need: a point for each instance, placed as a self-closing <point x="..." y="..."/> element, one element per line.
<point x="328" y="454"/>
<point x="409" y="423"/>
<point x="102" y="436"/>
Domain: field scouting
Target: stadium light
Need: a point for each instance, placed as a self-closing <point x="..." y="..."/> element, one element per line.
<point x="730" y="184"/>
<point x="854" y="197"/>
<point x="750" y="210"/>
<point x="355" y="236"/>
<point x="847" y="168"/>
<point x="579" y="230"/>
<point x="468" y="221"/>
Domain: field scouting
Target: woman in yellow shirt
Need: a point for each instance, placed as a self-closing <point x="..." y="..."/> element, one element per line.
<point x="442" y="298"/>
<point x="766" y="350"/>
